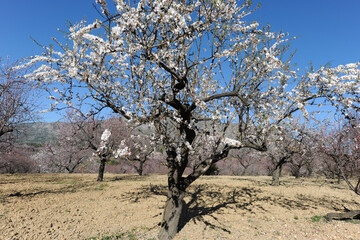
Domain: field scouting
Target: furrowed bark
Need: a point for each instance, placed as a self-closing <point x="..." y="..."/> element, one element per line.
<point x="175" y="203"/>
<point x="171" y="217"/>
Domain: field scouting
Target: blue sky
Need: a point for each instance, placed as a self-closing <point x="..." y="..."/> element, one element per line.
<point x="328" y="30"/>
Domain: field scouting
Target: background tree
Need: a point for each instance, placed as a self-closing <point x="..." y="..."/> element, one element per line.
<point x="139" y="146"/>
<point x="16" y="159"/>
<point x="352" y="169"/>
<point x="241" y="162"/>
<point x="303" y="162"/>
<point x="72" y="148"/>
<point x="112" y="144"/>
<point x="281" y="148"/>
<point x="17" y="106"/>
<point x="195" y="71"/>
<point x="333" y="146"/>
<point x="342" y="150"/>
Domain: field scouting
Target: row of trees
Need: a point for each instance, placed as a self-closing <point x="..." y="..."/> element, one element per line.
<point x="302" y="151"/>
<point x="79" y="148"/>
<point x="86" y="142"/>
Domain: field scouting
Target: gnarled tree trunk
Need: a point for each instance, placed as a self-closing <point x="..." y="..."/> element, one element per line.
<point x="175" y="203"/>
<point x="174" y="208"/>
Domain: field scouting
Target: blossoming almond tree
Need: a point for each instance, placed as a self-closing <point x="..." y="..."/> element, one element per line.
<point x="109" y="144"/>
<point x="142" y="145"/>
<point x="198" y="71"/>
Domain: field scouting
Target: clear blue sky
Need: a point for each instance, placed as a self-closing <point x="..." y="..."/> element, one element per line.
<point x="328" y="30"/>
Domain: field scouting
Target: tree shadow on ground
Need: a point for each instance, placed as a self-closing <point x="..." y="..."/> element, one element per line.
<point x="70" y="188"/>
<point x="204" y="202"/>
<point x="49" y="185"/>
<point x="130" y="177"/>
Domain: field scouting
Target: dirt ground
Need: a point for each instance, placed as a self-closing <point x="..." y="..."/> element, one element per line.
<point x="63" y="206"/>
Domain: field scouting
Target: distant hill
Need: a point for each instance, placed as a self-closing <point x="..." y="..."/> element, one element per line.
<point x="38" y="133"/>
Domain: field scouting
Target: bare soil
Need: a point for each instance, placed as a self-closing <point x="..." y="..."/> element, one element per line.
<point x="75" y="206"/>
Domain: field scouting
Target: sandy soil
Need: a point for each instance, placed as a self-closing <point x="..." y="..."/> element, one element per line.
<point x="62" y="206"/>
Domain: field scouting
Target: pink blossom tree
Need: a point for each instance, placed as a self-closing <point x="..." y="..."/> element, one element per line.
<point x="340" y="146"/>
<point x="191" y="70"/>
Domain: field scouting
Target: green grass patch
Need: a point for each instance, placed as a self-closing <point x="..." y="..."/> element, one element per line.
<point x="316" y="218"/>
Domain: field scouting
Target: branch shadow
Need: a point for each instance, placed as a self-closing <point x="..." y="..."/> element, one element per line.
<point x="49" y="185"/>
<point x="206" y="200"/>
<point x="61" y="190"/>
<point x="204" y="203"/>
<point x="130" y="177"/>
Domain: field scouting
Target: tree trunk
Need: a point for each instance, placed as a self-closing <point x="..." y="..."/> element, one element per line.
<point x="140" y="169"/>
<point x="175" y="202"/>
<point x="339" y="177"/>
<point x="276" y="176"/>
<point x="171" y="217"/>
<point x="297" y="172"/>
<point x="277" y="172"/>
<point x="101" y="170"/>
